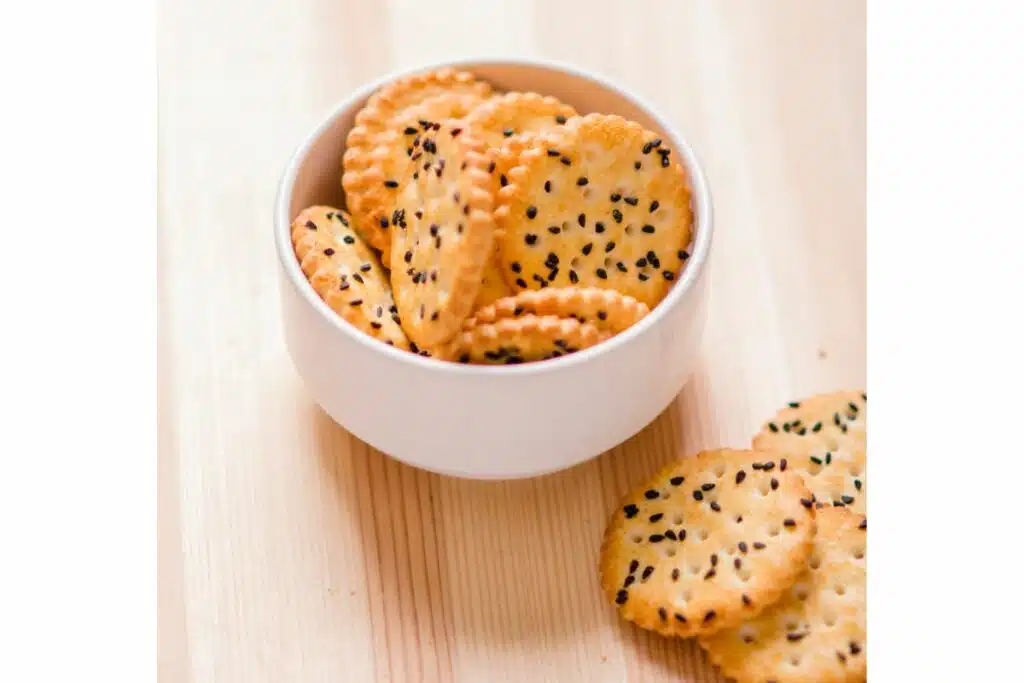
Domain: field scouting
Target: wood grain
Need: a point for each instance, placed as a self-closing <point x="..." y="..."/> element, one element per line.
<point x="289" y="550"/>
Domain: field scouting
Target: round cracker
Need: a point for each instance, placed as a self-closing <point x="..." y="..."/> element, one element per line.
<point x="443" y="232"/>
<point x="346" y="273"/>
<point x="706" y="543"/>
<point x="824" y="438"/>
<point x="363" y="177"/>
<point x="817" y="632"/>
<point x="492" y="285"/>
<point x="606" y="196"/>
<point x="509" y="341"/>
<point x="605" y="309"/>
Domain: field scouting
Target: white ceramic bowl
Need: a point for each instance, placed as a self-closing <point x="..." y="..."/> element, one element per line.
<point x="491" y="422"/>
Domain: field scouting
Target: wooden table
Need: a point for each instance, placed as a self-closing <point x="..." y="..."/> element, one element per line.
<point x="291" y="551"/>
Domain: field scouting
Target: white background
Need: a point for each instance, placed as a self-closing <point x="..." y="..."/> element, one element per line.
<point x="78" y="344"/>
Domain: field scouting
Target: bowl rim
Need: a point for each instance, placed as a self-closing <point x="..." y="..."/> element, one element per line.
<point x="701" y="243"/>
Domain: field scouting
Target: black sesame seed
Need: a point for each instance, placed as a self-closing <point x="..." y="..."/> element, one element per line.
<point x="615" y="196"/>
<point x="608" y="247"/>
<point x="582" y="181"/>
<point x="311" y="225"/>
<point x="343" y="286"/>
<point x="391" y="184"/>
<point x="560" y="119"/>
<point x="621" y="597"/>
<point x="516" y="268"/>
<point x="328" y="252"/>
<point x="675" y="574"/>
<point x="628" y="581"/>
<point x="635" y="564"/>
<point x="740" y="476"/>
<point x="566" y="161"/>
<point x="676" y="481"/>
<point x="530" y="239"/>
<point x="775" y="483"/>
<point x="710" y="574"/>
<point x="508" y="132"/>
<point x="847" y="500"/>
<point x="521" y="282"/>
<point x="637" y="165"/>
<point x="547" y="186"/>
<point x="774" y="427"/>
<point x="794" y="637"/>
<point x="355" y="302"/>
<point x="656" y="538"/>
<point x="662" y="614"/>
<point x="409" y="130"/>
<point x="746" y="600"/>
<point x="573" y="277"/>
<point x="815" y="460"/>
<point x="758" y="545"/>
<point x="647" y="148"/>
<point x="582" y="220"/>
<point x="599" y="227"/>
<point x="682" y="535"/>
<point x="601" y="273"/>
<point x="854" y="648"/>
<point x="642" y="277"/>
<point x="668" y="275"/>
<point x="383" y="222"/>
<point x="768" y="466"/>
<point x="654" y="206"/>
<point x="375" y="325"/>
<point x="863" y="524"/>
<point x="349" y="239"/>
<point x="408" y="256"/>
<point x="587" y="247"/>
<point x="632" y="201"/>
<point x="715" y="506"/>
<point x="647" y="573"/>
<point x="828" y="458"/>
<point x="709" y="616"/>
<point x="621" y="266"/>
<point x="655" y="517"/>
<point x="531" y="212"/>
<point x="503" y="180"/>
<point x="664" y="161"/>
<point x="697" y="495"/>
<point x="857" y="484"/>
<point x="806" y="503"/>
<point x="649" y="229"/>
<point x="617" y="215"/>
<point x="670" y="535"/>
<point x="357" y="277"/>
<point x="601" y="315"/>
<point x="651" y="494"/>
<point x="788" y="522"/>
<point x="553" y="152"/>
<point x="365" y="267"/>
<point x="742" y="546"/>
<point x="517" y="311"/>
<point x="707" y="487"/>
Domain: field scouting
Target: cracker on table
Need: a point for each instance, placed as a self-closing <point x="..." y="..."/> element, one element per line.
<point x="706" y="543"/>
<point x="608" y="198"/>
<point x="346" y="273"/>
<point x="442" y="232"/>
<point x="817" y="633"/>
<point x="606" y="309"/>
<point x="369" y="146"/>
<point x="824" y="438"/>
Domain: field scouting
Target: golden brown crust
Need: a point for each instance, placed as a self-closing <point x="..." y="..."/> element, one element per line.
<point x="824" y="438"/>
<point x="817" y="632"/>
<point x="443" y="233"/>
<point x="369" y="142"/>
<point x="521" y="340"/>
<point x="345" y="273"/>
<point x="606" y="309"/>
<point x="706" y="543"/>
<point x="605" y="196"/>
<point x="492" y="285"/>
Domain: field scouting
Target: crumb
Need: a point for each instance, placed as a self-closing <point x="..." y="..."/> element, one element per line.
<point x="822" y="355"/>
<point x="604" y="658"/>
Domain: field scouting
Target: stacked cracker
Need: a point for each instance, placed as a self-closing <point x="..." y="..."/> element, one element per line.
<point x="759" y="553"/>
<point x="495" y="228"/>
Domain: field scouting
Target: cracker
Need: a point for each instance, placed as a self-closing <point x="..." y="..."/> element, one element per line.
<point x="370" y="145"/>
<point x="608" y="198"/>
<point x="817" y="632"/>
<point x="706" y="543"/>
<point x="824" y="438"/>
<point x="443" y="232"/>
<point x="504" y="121"/>
<point x="605" y="309"/>
<point x="346" y="273"/>
<point x="520" y="340"/>
<point x="492" y="285"/>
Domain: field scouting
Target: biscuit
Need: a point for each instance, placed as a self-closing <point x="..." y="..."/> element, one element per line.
<point x="492" y="285"/>
<point x="817" y="633"/>
<point x="824" y="438"/>
<point x="706" y="543"/>
<point x="442" y="232"/>
<point x="346" y="273"/>
<point x="608" y="198"/>
<point x="605" y="309"/>
<point x="370" y="145"/>
<point x="508" y="341"/>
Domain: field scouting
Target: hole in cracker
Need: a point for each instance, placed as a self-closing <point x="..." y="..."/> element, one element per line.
<point x="801" y="591"/>
<point x="686" y="595"/>
<point x="840" y="589"/>
<point x="858" y="554"/>
<point x="854" y="471"/>
<point x="773" y="531"/>
<point x="731" y="550"/>
<point x="677" y="520"/>
<point x="693" y="569"/>
<point x="792" y="624"/>
<point x="575" y="262"/>
<point x="586" y="193"/>
<point x="719" y="470"/>
<point x="747" y="633"/>
<point x="794" y="660"/>
<point x="738" y="519"/>
<point x="670" y="552"/>
<point x="814" y="562"/>
<point x="764" y="488"/>
<point x="629" y="230"/>
<point x="744" y="574"/>
<point x="637" y="538"/>
<point x="702" y="534"/>
<point x="829" y="619"/>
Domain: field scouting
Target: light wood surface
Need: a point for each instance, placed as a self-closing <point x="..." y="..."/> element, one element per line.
<point x="291" y="551"/>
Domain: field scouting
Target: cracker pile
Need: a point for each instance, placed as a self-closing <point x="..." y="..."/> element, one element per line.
<point x="495" y="228"/>
<point x="760" y="553"/>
